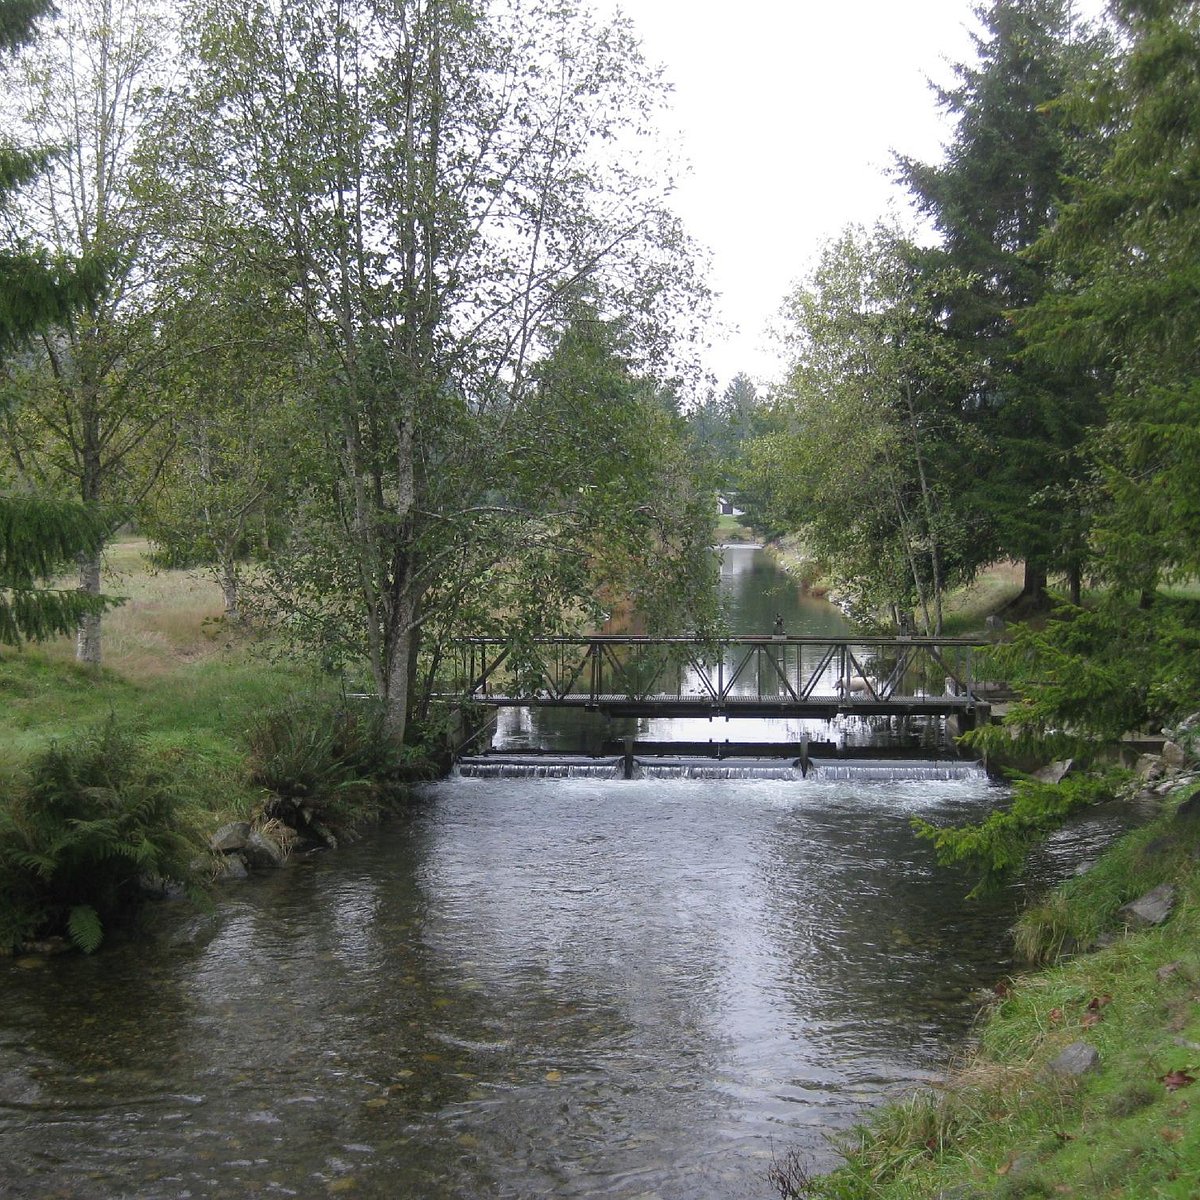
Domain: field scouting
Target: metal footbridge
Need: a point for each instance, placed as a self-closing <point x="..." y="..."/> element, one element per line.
<point x="744" y="676"/>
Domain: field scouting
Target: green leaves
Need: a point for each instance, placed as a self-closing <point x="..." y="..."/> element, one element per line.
<point x="85" y="928"/>
<point x="37" y="537"/>
<point x="91" y="824"/>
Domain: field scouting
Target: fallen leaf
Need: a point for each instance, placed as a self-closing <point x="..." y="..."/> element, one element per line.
<point x="1099" y="1001"/>
<point x="1055" y="1016"/>
<point x="1170" y="1134"/>
<point x="1091" y="1018"/>
<point x="1174" y="1080"/>
<point x="1002" y="988"/>
<point x="553" y="1076"/>
<point x="1004" y="1167"/>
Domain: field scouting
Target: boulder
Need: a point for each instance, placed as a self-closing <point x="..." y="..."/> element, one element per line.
<point x="230" y="837"/>
<point x="1173" y="754"/>
<point x="1149" y="767"/>
<point x="232" y="866"/>
<point x="1077" y="1059"/>
<point x="1054" y="772"/>
<point x="262" y="851"/>
<point x="1151" y="909"/>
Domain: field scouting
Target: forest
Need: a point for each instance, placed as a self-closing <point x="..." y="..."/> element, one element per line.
<point x="1022" y="385"/>
<point x="377" y="312"/>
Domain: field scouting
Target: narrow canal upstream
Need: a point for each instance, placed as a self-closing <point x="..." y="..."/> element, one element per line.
<point x="519" y="988"/>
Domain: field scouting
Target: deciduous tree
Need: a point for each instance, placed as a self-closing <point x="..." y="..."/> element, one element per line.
<point x="428" y="181"/>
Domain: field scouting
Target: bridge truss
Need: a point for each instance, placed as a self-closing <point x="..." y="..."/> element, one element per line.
<point x="748" y="675"/>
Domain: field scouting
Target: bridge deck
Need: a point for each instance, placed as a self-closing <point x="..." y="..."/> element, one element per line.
<point x="667" y="705"/>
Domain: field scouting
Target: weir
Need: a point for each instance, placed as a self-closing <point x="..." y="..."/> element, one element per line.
<point x="683" y="760"/>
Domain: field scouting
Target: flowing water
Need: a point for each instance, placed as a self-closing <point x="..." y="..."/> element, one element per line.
<point x="518" y="988"/>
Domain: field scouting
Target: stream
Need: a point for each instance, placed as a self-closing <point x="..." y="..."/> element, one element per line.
<point x="523" y="988"/>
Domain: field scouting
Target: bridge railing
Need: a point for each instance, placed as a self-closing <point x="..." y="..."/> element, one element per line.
<point x="783" y="669"/>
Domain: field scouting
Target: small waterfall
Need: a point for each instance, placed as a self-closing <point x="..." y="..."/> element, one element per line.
<point x="578" y="766"/>
<point x="538" y="766"/>
<point x="715" y="768"/>
<point x="895" y="770"/>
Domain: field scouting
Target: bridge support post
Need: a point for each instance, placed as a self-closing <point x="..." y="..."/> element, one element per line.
<point x="627" y="761"/>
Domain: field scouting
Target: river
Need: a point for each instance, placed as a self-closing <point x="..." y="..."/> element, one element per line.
<point x="519" y="988"/>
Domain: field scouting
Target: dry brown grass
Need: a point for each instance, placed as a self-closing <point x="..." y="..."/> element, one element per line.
<point x="169" y="617"/>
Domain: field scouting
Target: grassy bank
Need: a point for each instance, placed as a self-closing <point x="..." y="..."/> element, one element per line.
<point x="113" y="779"/>
<point x="1008" y="1122"/>
<point x="173" y="671"/>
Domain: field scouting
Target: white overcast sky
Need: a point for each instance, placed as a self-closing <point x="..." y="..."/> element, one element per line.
<point x="789" y="113"/>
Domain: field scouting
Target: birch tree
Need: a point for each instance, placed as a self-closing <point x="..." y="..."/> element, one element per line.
<point x="427" y="181"/>
<point x="869" y="444"/>
<point x="89" y="87"/>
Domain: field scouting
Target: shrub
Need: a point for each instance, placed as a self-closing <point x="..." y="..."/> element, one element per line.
<point x="83" y="837"/>
<point x="328" y="767"/>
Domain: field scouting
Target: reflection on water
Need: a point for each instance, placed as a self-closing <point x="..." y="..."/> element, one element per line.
<point x="754" y="592"/>
<point x="561" y="987"/>
<point x="574" y="987"/>
<point x="568" y="987"/>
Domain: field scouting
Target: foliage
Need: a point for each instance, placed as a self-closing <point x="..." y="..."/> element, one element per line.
<point x="1090" y="675"/>
<point x="87" y="400"/>
<point x="996" y="848"/>
<point x="36" y="290"/>
<point x="429" y="187"/>
<point x="1000" y="184"/>
<point x="36" y="537"/>
<point x="721" y="424"/>
<point x="92" y="826"/>
<point x="327" y="767"/>
<point x="1129" y="243"/>
<point x="862" y="448"/>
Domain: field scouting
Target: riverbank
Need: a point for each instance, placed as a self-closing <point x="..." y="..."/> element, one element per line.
<point x="189" y="729"/>
<point x="966" y="609"/>
<point x="1079" y="1084"/>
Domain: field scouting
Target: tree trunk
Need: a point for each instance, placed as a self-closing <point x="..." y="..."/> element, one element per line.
<point x="399" y="673"/>
<point x="87" y="639"/>
<point x="229" y="588"/>
<point x="1034" y="587"/>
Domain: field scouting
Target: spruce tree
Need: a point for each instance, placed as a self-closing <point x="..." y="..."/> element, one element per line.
<point x="990" y="200"/>
<point x="36" y="292"/>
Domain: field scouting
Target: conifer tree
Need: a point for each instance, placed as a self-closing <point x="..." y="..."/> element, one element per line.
<point x="992" y="197"/>
<point x="36" y="291"/>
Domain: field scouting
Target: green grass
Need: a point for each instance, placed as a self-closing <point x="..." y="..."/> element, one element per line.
<point x="174" y="672"/>
<point x="1003" y="1126"/>
<point x="730" y="529"/>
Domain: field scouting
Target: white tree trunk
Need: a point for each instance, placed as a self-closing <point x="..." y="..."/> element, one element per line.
<point x="87" y="639"/>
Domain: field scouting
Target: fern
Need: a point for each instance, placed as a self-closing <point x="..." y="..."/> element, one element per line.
<point x="85" y="928"/>
<point x="93" y="820"/>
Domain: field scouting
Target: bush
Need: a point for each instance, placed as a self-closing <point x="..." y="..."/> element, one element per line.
<point x="84" y="837"/>
<point x="328" y="767"/>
